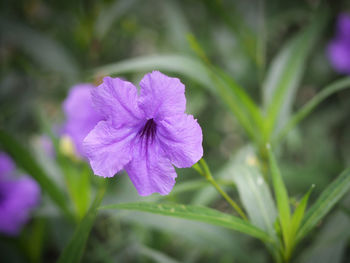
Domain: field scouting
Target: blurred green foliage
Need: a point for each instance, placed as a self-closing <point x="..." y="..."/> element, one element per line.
<point x="250" y="46"/>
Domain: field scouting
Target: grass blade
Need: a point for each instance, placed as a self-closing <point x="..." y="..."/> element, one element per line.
<point x="183" y="65"/>
<point x="329" y="197"/>
<point x="74" y="250"/>
<point x="281" y="198"/>
<point x="308" y="107"/>
<point x="25" y="160"/>
<point x="285" y="74"/>
<point x="255" y="195"/>
<point x="298" y="214"/>
<point x="197" y="213"/>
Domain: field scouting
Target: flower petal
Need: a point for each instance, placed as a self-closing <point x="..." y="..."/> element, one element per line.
<point x="81" y="117"/>
<point x="181" y="139"/>
<point x="339" y="55"/>
<point x="116" y="100"/>
<point x="161" y="96"/>
<point x="108" y="149"/>
<point x="19" y="198"/>
<point x="150" y="171"/>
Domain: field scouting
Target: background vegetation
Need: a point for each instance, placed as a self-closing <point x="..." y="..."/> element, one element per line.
<point x="213" y="47"/>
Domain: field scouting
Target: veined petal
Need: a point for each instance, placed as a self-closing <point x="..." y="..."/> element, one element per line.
<point x="161" y="96"/>
<point x="150" y="171"/>
<point x="181" y="139"/>
<point x="116" y="100"/>
<point x="108" y="149"/>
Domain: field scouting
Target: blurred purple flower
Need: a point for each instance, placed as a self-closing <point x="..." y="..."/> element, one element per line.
<point x="144" y="134"/>
<point x="18" y="197"/>
<point x="81" y="117"/>
<point x="339" y="47"/>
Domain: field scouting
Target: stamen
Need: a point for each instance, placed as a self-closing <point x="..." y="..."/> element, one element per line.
<point x="149" y="130"/>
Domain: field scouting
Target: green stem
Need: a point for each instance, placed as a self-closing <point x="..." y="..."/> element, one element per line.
<point x="207" y="174"/>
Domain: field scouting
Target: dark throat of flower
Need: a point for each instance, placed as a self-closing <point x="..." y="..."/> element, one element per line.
<point x="148" y="131"/>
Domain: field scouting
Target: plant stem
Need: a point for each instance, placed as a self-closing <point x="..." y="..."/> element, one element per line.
<point x="207" y="174"/>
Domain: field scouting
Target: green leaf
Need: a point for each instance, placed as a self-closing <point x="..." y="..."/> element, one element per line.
<point x="329" y="197"/>
<point x="75" y="248"/>
<point x="243" y="99"/>
<point x="25" y="160"/>
<point x="284" y="76"/>
<point x="330" y="244"/>
<point x="309" y="106"/>
<point x="183" y="65"/>
<point x="77" y="178"/>
<point x="198" y="213"/>
<point x="298" y="214"/>
<point x="255" y="195"/>
<point x="237" y="100"/>
<point x="281" y="197"/>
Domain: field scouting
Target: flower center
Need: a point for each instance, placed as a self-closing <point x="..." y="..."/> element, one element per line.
<point x="149" y="130"/>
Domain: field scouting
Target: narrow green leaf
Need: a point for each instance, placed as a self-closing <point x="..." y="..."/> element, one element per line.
<point x="241" y="105"/>
<point x="309" y="106"/>
<point x="255" y="194"/>
<point x="197" y="213"/>
<point x="281" y="197"/>
<point x="299" y="213"/>
<point x="329" y="197"/>
<point x="284" y="76"/>
<point x="25" y="160"/>
<point x="256" y="197"/>
<point x="74" y="250"/>
<point x="179" y="64"/>
<point x="243" y="99"/>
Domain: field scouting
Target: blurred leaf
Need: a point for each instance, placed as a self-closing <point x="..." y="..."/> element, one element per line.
<point x="243" y="99"/>
<point x="284" y="76"/>
<point x="110" y="14"/>
<point x="77" y="178"/>
<point x="202" y="214"/>
<point x="255" y="195"/>
<point x="281" y="198"/>
<point x="75" y="248"/>
<point x="25" y="160"/>
<point x="43" y="50"/>
<point x="238" y="101"/>
<point x="179" y="64"/>
<point x="330" y="244"/>
<point x="309" y="106"/>
<point x="329" y="197"/>
<point x="298" y="214"/>
<point x="155" y="255"/>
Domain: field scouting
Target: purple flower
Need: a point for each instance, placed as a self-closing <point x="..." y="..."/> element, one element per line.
<point x="339" y="48"/>
<point x="81" y="117"/>
<point x="18" y="197"/>
<point x="144" y="134"/>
